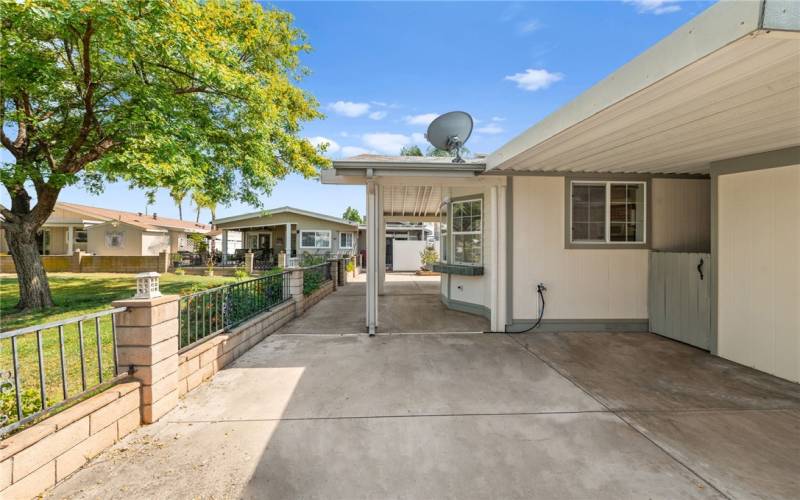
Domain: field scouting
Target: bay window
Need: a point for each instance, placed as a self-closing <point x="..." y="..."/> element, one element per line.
<point x="467" y="232"/>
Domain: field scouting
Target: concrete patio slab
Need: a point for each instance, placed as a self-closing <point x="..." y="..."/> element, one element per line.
<point x="746" y="454"/>
<point x="643" y="371"/>
<point x="411" y="304"/>
<point x="316" y="376"/>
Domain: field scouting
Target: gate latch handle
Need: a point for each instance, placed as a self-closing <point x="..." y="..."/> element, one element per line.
<point x="700" y="269"/>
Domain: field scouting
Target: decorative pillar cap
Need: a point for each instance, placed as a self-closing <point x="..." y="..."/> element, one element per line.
<point x="147" y="286"/>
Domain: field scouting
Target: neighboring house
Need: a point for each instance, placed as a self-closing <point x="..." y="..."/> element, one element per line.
<point x="290" y="230"/>
<point x="665" y="198"/>
<point x="103" y="231"/>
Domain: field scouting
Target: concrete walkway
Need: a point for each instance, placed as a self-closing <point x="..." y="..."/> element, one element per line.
<point x="410" y="304"/>
<point x="465" y="416"/>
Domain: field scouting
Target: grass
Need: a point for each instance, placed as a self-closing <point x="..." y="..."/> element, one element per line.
<point x="75" y="295"/>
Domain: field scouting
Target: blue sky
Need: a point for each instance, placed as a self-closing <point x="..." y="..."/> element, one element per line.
<point x="381" y="70"/>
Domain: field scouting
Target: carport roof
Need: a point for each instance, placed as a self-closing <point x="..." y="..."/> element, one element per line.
<point x="724" y="85"/>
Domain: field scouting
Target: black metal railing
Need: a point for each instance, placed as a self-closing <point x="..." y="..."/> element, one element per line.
<point x="315" y="276"/>
<point x="45" y="367"/>
<point x="207" y="313"/>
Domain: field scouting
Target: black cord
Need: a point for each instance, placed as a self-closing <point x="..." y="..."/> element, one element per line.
<point x="540" y="289"/>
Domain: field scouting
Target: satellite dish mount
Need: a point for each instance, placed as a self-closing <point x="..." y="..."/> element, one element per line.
<point x="449" y="132"/>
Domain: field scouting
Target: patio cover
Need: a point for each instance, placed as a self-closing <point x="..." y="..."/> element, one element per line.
<point x="724" y="85"/>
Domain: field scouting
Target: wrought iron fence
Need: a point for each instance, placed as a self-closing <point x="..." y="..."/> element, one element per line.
<point x="315" y="276"/>
<point x="45" y="367"/>
<point x="215" y="310"/>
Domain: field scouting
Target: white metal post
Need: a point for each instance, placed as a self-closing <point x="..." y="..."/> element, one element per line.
<point x="381" y="242"/>
<point x="288" y="245"/>
<point x="224" y="246"/>
<point x="70" y="239"/>
<point x="372" y="257"/>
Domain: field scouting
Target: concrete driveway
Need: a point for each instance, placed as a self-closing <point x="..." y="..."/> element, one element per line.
<point x="465" y="416"/>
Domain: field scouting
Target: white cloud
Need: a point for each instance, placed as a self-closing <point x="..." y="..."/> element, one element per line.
<point x="418" y="138"/>
<point x="498" y="119"/>
<point x="535" y="79"/>
<point x="386" y="143"/>
<point x="656" y="7"/>
<point x="333" y="146"/>
<point x="529" y="26"/>
<point x="349" y="151"/>
<point x="377" y="115"/>
<point x="490" y="129"/>
<point x="423" y="119"/>
<point x="349" y="109"/>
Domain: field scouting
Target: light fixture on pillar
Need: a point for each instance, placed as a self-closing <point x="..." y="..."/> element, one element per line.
<point x="147" y="286"/>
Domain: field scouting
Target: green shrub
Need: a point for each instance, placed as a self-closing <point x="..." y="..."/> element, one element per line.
<point x="31" y="403"/>
<point x="180" y="271"/>
<point x="240" y="273"/>
<point x="428" y="257"/>
<point x="311" y="281"/>
<point x="351" y="266"/>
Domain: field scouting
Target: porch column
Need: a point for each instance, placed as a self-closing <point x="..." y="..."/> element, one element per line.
<point x="372" y="256"/>
<point x="70" y="239"/>
<point x="496" y="232"/>
<point x="381" y="243"/>
<point x="288" y="245"/>
<point x="224" y="246"/>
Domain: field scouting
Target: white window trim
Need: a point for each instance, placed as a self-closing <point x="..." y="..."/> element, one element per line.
<point x="350" y="247"/>
<point x="454" y="233"/>
<point x="607" y="240"/>
<point x="300" y="238"/>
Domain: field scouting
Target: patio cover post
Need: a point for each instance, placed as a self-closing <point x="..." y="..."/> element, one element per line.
<point x="70" y="239"/>
<point x="381" y="243"/>
<point x="497" y="257"/>
<point x="288" y="245"/>
<point x="224" y="246"/>
<point x="373" y="220"/>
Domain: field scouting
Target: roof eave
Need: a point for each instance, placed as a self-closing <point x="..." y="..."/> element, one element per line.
<point x="720" y="25"/>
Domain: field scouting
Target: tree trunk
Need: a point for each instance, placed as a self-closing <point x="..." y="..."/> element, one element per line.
<point x="34" y="289"/>
<point x="180" y="211"/>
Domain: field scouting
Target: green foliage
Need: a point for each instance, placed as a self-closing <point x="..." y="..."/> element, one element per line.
<point x="180" y="272"/>
<point x="240" y="273"/>
<point x="432" y="151"/>
<point x="428" y="256"/>
<point x="199" y="242"/>
<point x="199" y="97"/>
<point x="31" y="403"/>
<point x="412" y="150"/>
<point x="312" y="279"/>
<point x="352" y="215"/>
<point x="308" y="260"/>
<point x="351" y="266"/>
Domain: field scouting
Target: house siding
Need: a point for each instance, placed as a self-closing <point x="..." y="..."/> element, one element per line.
<point x="582" y="284"/>
<point x="131" y="240"/>
<point x="758" y="312"/>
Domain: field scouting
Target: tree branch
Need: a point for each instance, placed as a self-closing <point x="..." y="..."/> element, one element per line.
<point x="88" y="111"/>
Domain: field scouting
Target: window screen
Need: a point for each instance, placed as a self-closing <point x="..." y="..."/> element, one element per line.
<point x="467" y="231"/>
<point x="588" y="212"/>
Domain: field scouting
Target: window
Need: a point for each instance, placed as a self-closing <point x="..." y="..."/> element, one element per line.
<point x="114" y="239"/>
<point x="345" y="240"/>
<point x="467" y="232"/>
<point x="81" y="236"/>
<point x="315" y="239"/>
<point x="608" y="212"/>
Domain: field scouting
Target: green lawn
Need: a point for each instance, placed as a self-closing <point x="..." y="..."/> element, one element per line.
<point x="75" y="295"/>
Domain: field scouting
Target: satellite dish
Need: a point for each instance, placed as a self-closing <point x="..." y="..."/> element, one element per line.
<point x="449" y="132"/>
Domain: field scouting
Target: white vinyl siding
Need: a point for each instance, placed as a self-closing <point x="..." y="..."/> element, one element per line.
<point x="315" y="239"/>
<point x="608" y="212"/>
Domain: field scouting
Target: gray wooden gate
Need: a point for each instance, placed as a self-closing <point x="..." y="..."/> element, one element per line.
<point x="679" y="297"/>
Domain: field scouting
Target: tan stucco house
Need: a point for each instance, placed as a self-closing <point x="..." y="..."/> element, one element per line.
<point x="291" y="230"/>
<point x="103" y="231"/>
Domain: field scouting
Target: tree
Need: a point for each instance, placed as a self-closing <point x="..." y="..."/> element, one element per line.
<point x="202" y="201"/>
<point x="432" y="151"/>
<point x="412" y="150"/>
<point x="178" y="194"/>
<point x="352" y="215"/>
<point x="155" y="93"/>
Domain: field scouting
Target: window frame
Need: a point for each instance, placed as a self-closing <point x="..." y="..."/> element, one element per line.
<point x="452" y="233"/>
<point x="315" y="247"/>
<point x="352" y="240"/>
<point x="607" y="182"/>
